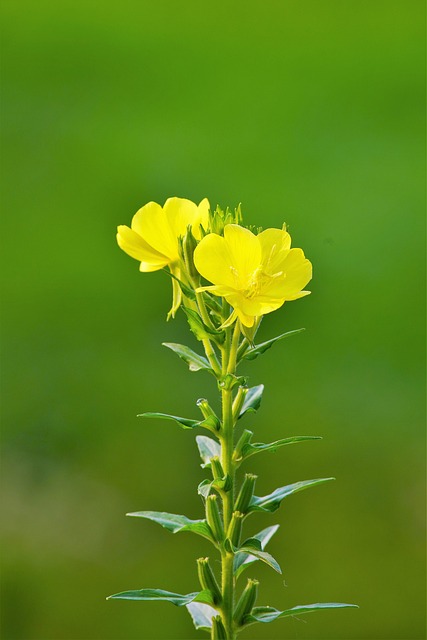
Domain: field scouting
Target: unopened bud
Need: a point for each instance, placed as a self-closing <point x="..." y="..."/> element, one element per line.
<point x="207" y="579"/>
<point x="244" y="439"/>
<point x="246" y="602"/>
<point x="238" y="401"/>
<point x="246" y="492"/>
<point x="218" y="629"/>
<point x="213" y="518"/>
<point x="235" y="529"/>
<point x="216" y="466"/>
<point x="208" y="413"/>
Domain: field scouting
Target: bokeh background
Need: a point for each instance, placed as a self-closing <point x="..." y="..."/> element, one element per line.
<point x="307" y="111"/>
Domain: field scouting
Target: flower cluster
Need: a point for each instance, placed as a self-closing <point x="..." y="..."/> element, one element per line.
<point x="225" y="277"/>
<point x="254" y="273"/>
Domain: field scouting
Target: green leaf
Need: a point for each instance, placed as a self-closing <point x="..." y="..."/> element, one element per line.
<point x="244" y="560"/>
<point x="269" y="614"/>
<point x="253" y="547"/>
<point x="208" y="449"/>
<point x="185" y="423"/>
<point x="201" y="615"/>
<point x="176" y="523"/>
<point x="194" y="360"/>
<point x="250" y="449"/>
<point x="161" y="595"/>
<point x="200" y="329"/>
<point x="190" y="293"/>
<point x="205" y="486"/>
<point x="272" y="502"/>
<point x="256" y="351"/>
<point x="252" y="400"/>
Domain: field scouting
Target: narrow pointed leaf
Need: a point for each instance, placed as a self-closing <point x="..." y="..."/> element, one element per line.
<point x="257" y="350"/>
<point x="194" y="360"/>
<point x="204" y="488"/>
<point x="185" y="423"/>
<point x="201" y="615"/>
<point x="244" y="560"/>
<point x="253" y="548"/>
<point x="208" y="449"/>
<point x="200" y="329"/>
<point x="269" y="614"/>
<point x="272" y="502"/>
<point x="155" y="594"/>
<point x="253" y="400"/>
<point x="176" y="523"/>
<point x="252" y="448"/>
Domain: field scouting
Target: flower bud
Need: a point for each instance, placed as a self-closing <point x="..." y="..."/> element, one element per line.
<point x="235" y="529"/>
<point x="208" y="413"/>
<point x="244" y="439"/>
<point x="239" y="400"/>
<point x="246" y="492"/>
<point x="219" y="218"/>
<point x="217" y="470"/>
<point x="207" y="579"/>
<point x="213" y="518"/>
<point x="189" y="243"/>
<point x="218" y="629"/>
<point x="246" y="602"/>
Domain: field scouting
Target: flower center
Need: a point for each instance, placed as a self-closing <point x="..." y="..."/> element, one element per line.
<point x="260" y="281"/>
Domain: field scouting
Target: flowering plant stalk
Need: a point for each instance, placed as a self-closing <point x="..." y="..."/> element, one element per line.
<point x="225" y="277"/>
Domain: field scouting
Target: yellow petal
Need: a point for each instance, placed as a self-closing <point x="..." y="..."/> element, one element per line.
<point x="212" y="260"/>
<point x="132" y="243"/>
<point x="202" y="218"/>
<point x="151" y="223"/>
<point x="179" y="213"/>
<point x="244" y="254"/>
<point x="275" y="244"/>
<point x="297" y="272"/>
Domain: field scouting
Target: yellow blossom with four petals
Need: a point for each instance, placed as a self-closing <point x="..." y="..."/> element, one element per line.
<point x="256" y="274"/>
<point x="153" y="237"/>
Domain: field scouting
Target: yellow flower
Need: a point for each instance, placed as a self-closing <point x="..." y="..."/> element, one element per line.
<point x="153" y="237"/>
<point x="255" y="274"/>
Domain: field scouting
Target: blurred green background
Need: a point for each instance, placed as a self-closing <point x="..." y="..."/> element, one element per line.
<point x="306" y="111"/>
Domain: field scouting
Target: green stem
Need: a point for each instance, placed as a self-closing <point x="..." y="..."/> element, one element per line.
<point x="211" y="356"/>
<point x="228" y="366"/>
<point x="203" y="311"/>
<point x="229" y="355"/>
